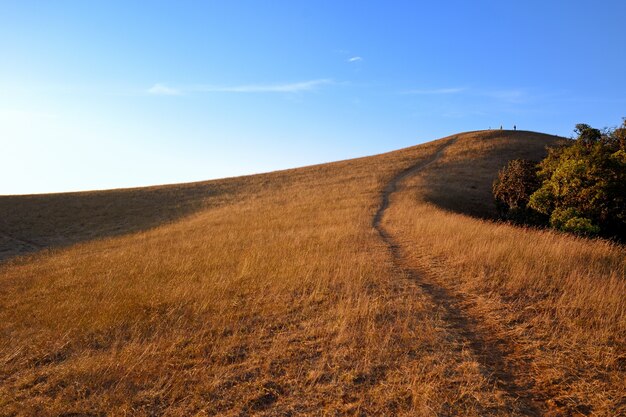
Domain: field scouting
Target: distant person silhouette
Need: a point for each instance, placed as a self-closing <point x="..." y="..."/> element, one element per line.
<point x="500" y="127"/>
<point x="514" y="127"/>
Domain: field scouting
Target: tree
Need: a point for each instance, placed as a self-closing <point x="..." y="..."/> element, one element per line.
<point x="584" y="184"/>
<point x="513" y="188"/>
<point x="579" y="187"/>
<point x="617" y="137"/>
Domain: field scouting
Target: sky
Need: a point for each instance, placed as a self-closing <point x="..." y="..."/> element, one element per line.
<point x="110" y="94"/>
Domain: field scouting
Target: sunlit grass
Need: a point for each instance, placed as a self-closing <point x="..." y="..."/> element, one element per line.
<point x="274" y="294"/>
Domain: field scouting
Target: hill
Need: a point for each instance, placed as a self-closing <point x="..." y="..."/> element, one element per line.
<point x="369" y="286"/>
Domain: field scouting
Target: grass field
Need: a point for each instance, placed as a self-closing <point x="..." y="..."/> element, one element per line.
<point x="373" y="286"/>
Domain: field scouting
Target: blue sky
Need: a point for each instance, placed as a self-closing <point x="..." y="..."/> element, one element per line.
<point x="113" y="94"/>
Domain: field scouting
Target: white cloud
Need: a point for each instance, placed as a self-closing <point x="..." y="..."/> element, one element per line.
<point x="355" y="59"/>
<point x="163" y="90"/>
<point x="436" y="91"/>
<point x="11" y="115"/>
<point x="508" y="96"/>
<point x="265" y="88"/>
<point x="512" y="96"/>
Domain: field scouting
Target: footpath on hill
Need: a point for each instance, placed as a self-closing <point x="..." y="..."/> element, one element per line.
<point x="490" y="350"/>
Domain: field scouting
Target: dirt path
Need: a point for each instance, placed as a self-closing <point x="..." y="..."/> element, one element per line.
<point x="489" y="349"/>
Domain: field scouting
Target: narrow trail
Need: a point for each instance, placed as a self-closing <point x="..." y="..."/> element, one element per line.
<point x="490" y="350"/>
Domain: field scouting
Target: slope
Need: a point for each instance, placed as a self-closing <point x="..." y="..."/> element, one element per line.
<point x="278" y="296"/>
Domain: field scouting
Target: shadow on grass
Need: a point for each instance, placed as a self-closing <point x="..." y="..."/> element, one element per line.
<point x="29" y="223"/>
<point x="462" y="181"/>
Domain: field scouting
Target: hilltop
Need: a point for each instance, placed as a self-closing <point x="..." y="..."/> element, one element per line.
<point x="376" y="285"/>
<point x="33" y="222"/>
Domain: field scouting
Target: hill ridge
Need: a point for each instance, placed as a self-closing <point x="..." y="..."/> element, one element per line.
<point x="114" y="212"/>
<point x="278" y="294"/>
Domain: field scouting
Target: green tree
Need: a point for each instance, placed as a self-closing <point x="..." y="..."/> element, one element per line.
<point x="513" y="188"/>
<point x="584" y="184"/>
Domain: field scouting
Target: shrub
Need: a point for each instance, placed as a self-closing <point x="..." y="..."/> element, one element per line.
<point x="580" y="187"/>
<point x="513" y="188"/>
<point x="570" y="220"/>
<point x="587" y="177"/>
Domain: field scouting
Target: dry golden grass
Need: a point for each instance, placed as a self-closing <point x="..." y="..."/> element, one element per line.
<point x="275" y="295"/>
<point x="31" y="222"/>
<point x="551" y="304"/>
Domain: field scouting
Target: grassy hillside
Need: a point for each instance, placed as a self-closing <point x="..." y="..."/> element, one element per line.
<point x="30" y="223"/>
<point x="278" y="294"/>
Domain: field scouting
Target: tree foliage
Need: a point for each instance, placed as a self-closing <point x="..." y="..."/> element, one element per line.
<point x="512" y="190"/>
<point x="580" y="187"/>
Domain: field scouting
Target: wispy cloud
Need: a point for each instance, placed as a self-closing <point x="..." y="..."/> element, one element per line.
<point x="25" y="115"/>
<point x="355" y="59"/>
<point x="163" y="90"/>
<point x="436" y="91"/>
<point x="264" y="88"/>
<point x="296" y="87"/>
<point x="511" y="96"/>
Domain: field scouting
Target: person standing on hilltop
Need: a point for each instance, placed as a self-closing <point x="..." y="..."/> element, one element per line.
<point x="500" y="127"/>
<point x="514" y="127"/>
